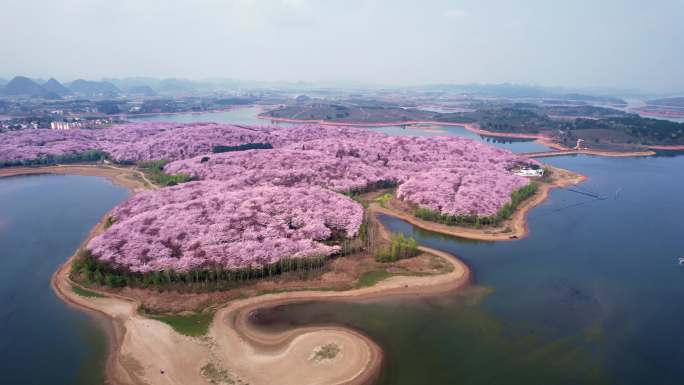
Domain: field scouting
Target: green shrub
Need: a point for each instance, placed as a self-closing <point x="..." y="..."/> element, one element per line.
<point x="154" y="169"/>
<point x="400" y="247"/>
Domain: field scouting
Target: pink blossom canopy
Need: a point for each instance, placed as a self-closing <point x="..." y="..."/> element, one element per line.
<point x="203" y="224"/>
<point x="256" y="207"/>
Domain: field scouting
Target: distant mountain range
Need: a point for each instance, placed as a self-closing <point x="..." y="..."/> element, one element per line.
<point x="93" y="88"/>
<point x="54" y="86"/>
<point x="53" y="89"/>
<point x="668" y="102"/>
<point x="22" y="86"/>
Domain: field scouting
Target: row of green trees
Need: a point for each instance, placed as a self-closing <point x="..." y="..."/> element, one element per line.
<point x="504" y="213"/>
<point x="89" y="270"/>
<point x="400" y="247"/>
<point x="86" y="156"/>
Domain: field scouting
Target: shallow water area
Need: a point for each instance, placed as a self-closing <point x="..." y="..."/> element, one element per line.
<point x="592" y="296"/>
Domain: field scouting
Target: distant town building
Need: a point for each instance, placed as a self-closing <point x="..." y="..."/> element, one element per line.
<point x="65" y="125"/>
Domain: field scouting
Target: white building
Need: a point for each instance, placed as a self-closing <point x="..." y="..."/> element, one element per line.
<point x="529" y="172"/>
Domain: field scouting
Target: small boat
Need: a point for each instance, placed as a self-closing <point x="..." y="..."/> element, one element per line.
<point x="681" y="261"/>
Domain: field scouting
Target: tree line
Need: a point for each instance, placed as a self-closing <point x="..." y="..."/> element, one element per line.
<point x="85" y="156"/>
<point x="88" y="269"/>
<point x="504" y="212"/>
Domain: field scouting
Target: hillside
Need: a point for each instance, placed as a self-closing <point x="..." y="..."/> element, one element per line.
<point x="56" y="87"/>
<point x="23" y="86"/>
<point x="667" y="102"/>
<point x="93" y="88"/>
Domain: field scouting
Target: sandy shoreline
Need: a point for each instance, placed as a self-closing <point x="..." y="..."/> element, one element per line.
<point x="142" y="347"/>
<point x="667" y="148"/>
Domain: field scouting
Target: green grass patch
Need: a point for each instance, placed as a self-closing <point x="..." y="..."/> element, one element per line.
<point x="400" y="247"/>
<point x="383" y="199"/>
<point x="154" y="169"/>
<point x="326" y="352"/>
<point x="193" y="325"/>
<point x="85" y="292"/>
<point x="371" y="278"/>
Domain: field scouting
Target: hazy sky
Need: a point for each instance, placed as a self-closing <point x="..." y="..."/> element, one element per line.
<point x="605" y="43"/>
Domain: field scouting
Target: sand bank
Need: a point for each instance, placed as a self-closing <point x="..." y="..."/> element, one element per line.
<point x="142" y="348"/>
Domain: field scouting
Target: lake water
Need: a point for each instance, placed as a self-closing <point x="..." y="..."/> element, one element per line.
<point x="43" y="219"/>
<point x="593" y="295"/>
<point x="512" y="144"/>
<point x="248" y="116"/>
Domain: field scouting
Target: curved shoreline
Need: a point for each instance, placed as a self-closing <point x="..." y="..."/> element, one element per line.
<point x="129" y="178"/>
<point x="140" y="346"/>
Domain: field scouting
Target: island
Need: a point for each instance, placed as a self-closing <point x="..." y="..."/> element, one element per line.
<point x="226" y="220"/>
<point x="566" y="128"/>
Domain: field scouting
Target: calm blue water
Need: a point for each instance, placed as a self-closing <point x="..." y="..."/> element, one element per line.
<point x="43" y="219"/>
<point x="512" y="144"/>
<point x="248" y="115"/>
<point x="593" y="295"/>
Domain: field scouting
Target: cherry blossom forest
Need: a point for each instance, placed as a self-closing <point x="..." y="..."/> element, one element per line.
<point x="257" y="207"/>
